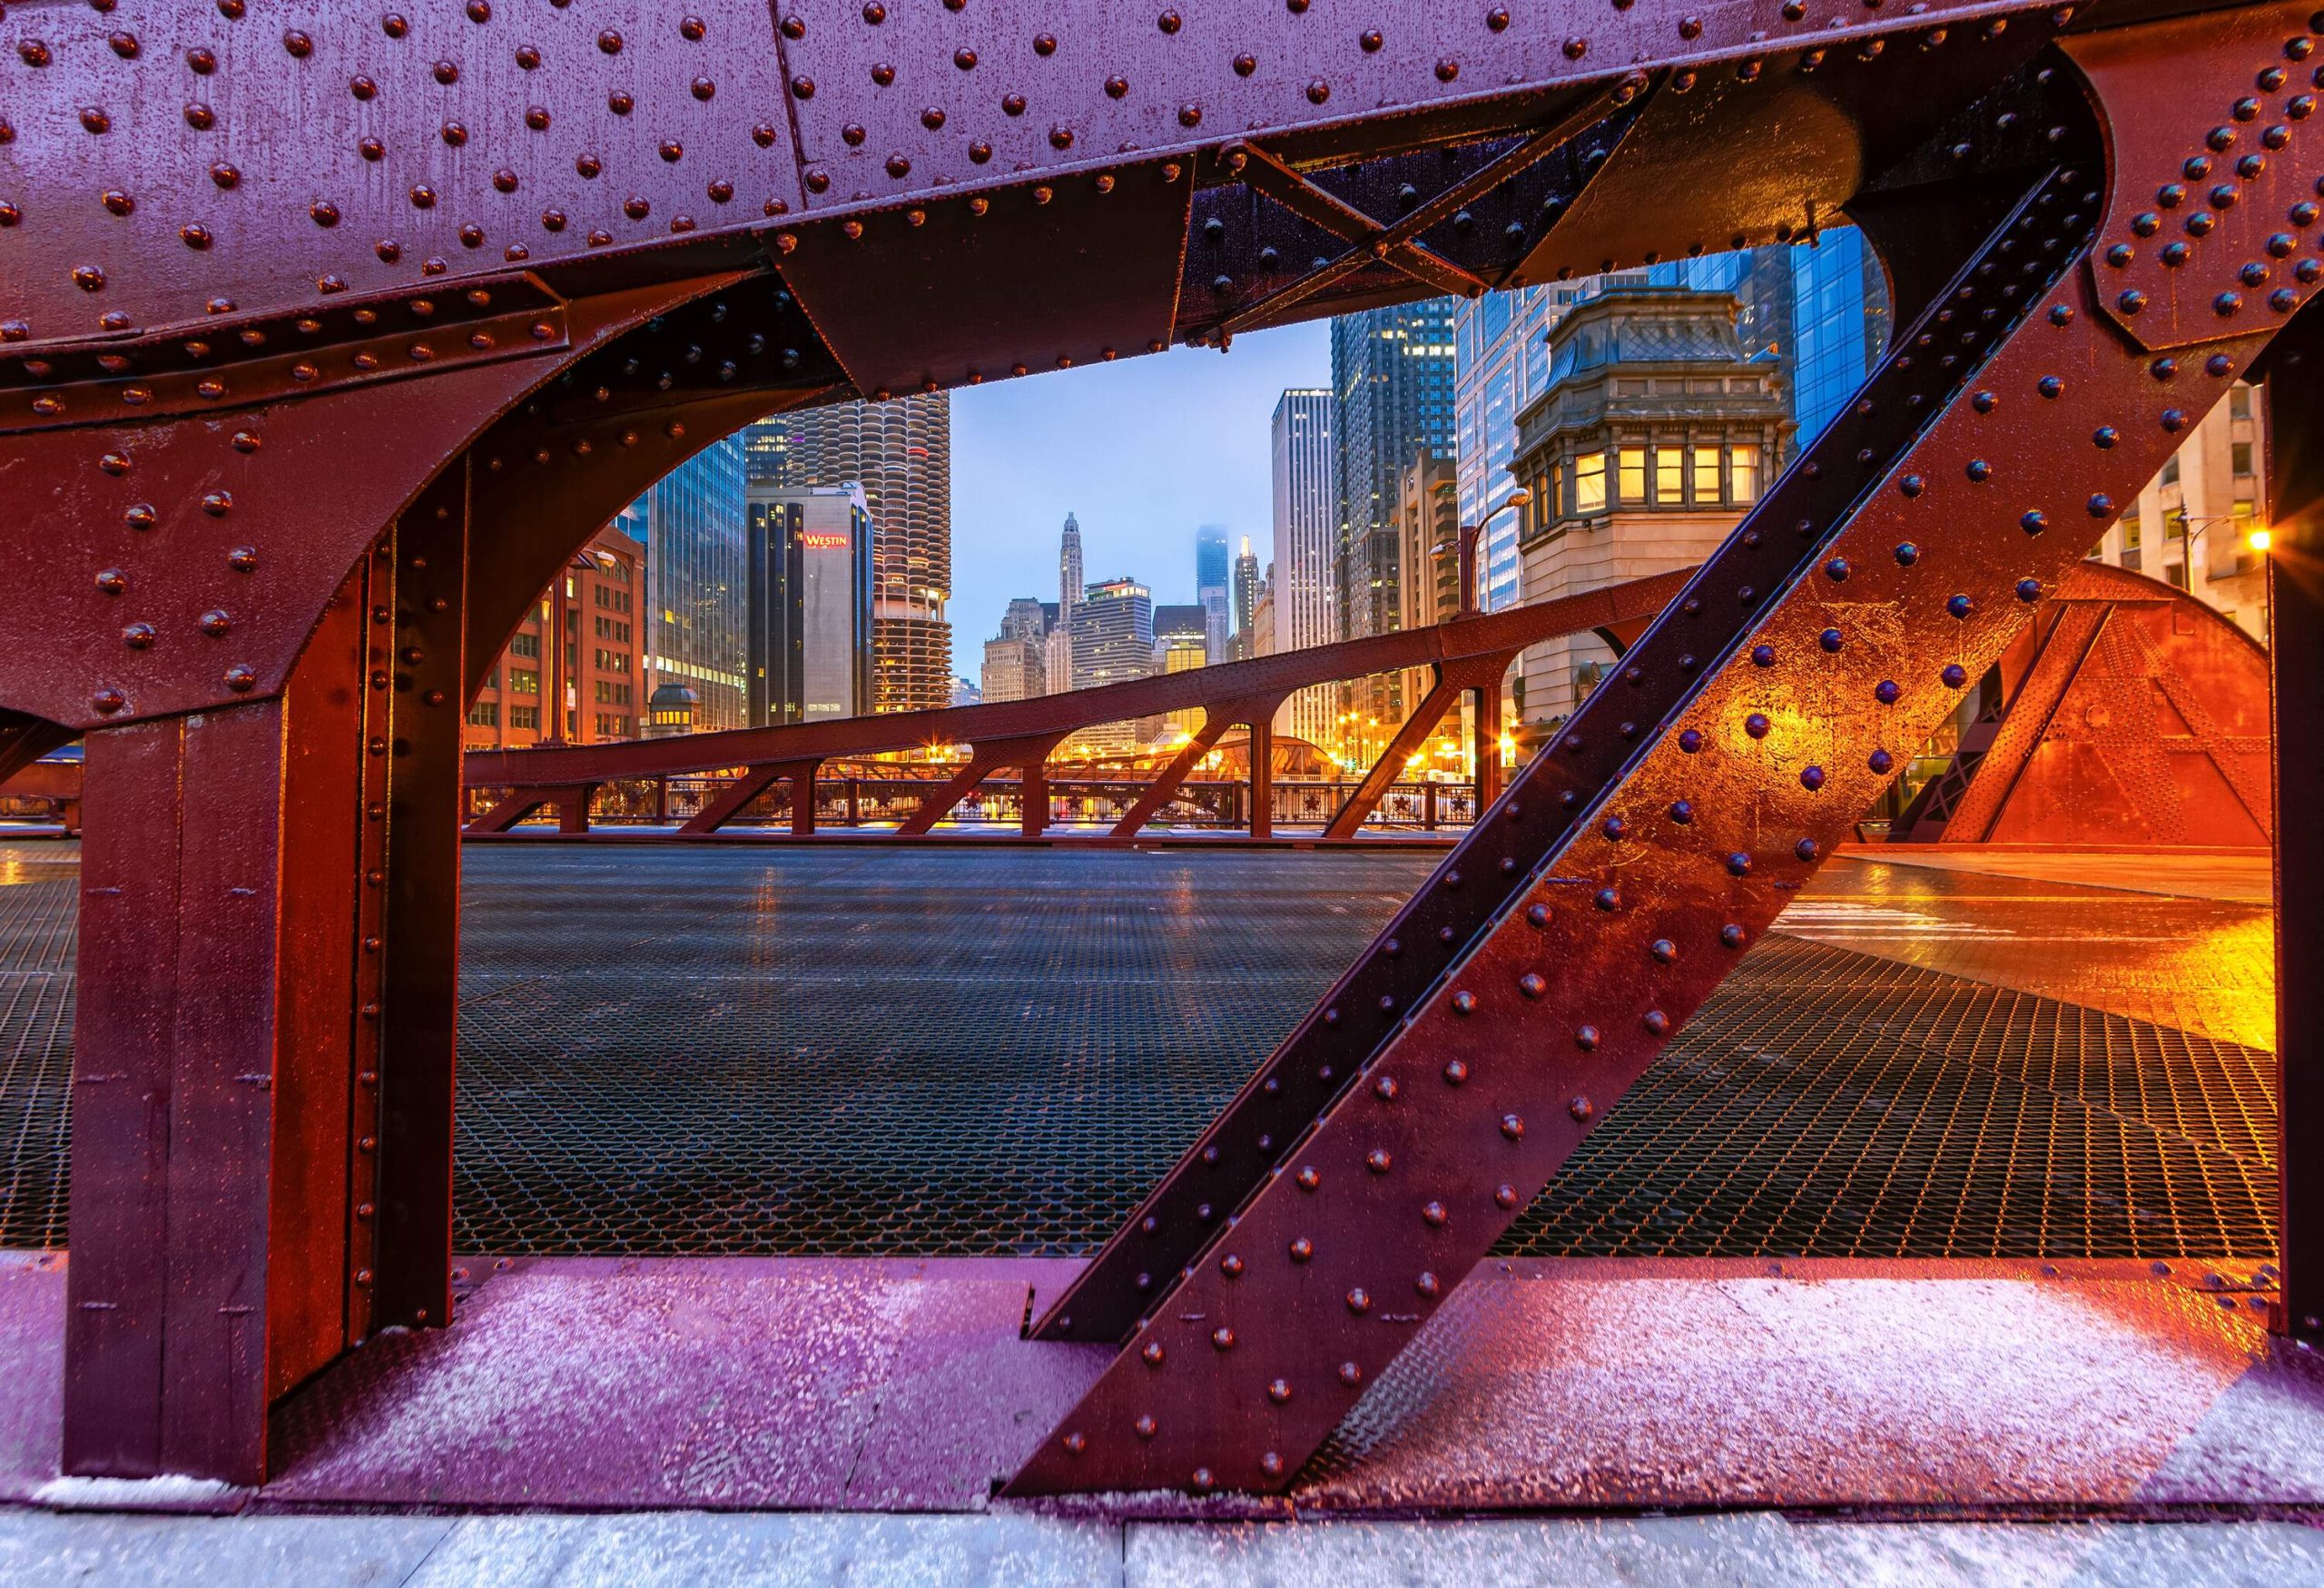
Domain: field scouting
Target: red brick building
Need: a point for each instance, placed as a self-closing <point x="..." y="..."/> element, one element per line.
<point x="596" y="607"/>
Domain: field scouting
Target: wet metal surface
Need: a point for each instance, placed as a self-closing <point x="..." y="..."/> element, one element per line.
<point x="759" y="1052"/>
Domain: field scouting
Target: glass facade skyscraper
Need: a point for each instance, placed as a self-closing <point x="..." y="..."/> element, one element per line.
<point x="695" y="525"/>
<point x="1392" y="384"/>
<point x="1210" y="591"/>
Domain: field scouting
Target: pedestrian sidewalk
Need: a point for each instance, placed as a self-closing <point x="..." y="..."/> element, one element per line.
<point x="780" y="1550"/>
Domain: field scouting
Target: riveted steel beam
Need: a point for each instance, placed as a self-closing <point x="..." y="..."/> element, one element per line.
<point x="1804" y="651"/>
<point x="1215" y="720"/>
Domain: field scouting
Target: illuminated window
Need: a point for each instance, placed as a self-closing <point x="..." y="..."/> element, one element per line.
<point x="524" y="683"/>
<point x="2131" y="527"/>
<point x="1669" y="475"/>
<point x="1631" y="477"/>
<point x="1555" y="507"/>
<point x="1705" y="480"/>
<point x="1743" y="474"/>
<point x="1590" y="483"/>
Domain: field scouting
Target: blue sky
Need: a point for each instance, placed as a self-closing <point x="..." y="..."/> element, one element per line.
<point x="1142" y="451"/>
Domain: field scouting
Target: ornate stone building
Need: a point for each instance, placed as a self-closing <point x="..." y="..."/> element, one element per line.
<point x="1655" y="434"/>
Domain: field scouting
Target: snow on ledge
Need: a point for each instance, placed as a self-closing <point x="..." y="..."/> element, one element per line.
<point x="169" y="1492"/>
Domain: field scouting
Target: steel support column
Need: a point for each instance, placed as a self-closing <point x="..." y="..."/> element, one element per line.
<point x="2296" y="661"/>
<point x="419" y="946"/>
<point x="1215" y="721"/>
<point x="1260" y="756"/>
<point x="213" y="1065"/>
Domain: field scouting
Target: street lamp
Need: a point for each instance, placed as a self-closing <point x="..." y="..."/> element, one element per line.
<point x="1469" y="536"/>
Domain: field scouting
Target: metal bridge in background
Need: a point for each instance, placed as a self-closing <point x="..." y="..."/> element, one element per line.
<point x="326" y="336"/>
<point x="1467" y="655"/>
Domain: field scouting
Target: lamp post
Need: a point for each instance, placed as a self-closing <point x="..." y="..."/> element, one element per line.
<point x="1470" y="534"/>
<point x="1485" y="734"/>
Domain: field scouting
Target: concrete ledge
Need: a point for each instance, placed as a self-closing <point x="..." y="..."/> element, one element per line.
<point x="1959" y="1389"/>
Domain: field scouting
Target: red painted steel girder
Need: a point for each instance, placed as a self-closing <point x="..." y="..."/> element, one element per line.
<point x="2131" y="714"/>
<point x="444" y="326"/>
<point x="1494" y="634"/>
<point x="1814" y="652"/>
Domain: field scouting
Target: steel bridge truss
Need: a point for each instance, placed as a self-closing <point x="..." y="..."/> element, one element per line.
<point x="325" y="337"/>
<point x="1467" y="655"/>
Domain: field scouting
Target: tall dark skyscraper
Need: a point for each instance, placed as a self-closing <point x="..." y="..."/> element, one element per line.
<point x="900" y="453"/>
<point x="808" y="644"/>
<point x="1247" y="602"/>
<point x="1210" y="588"/>
<point x="1392" y="380"/>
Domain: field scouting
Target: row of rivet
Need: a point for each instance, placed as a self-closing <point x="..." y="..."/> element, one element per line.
<point x="1613" y="830"/>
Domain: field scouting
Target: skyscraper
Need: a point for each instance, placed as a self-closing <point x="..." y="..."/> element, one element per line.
<point x="1306" y="519"/>
<point x="1246" y="601"/>
<point x="1113" y="640"/>
<point x="1210" y="588"/>
<point x="1068" y="570"/>
<point x="900" y="453"/>
<point x="1392" y="385"/>
<point x="809" y="645"/>
<point x="1025" y="619"/>
<point x="694" y="522"/>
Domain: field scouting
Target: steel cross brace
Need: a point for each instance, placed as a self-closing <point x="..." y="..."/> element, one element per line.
<point x="1252" y="714"/>
<point x="1454" y="678"/>
<point x="728" y="801"/>
<point x="1028" y="754"/>
<point x="1803" y="686"/>
<point x="1397" y="243"/>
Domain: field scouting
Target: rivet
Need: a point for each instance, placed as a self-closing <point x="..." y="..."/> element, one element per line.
<point x="1433" y="1214"/>
<point x="1586" y="1038"/>
<point x="1301" y="1249"/>
<point x="1378" y="1160"/>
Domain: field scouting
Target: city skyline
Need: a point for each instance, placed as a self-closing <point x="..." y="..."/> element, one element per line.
<point x="1026" y="453"/>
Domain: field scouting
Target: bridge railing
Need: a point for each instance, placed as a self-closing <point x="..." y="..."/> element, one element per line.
<point x="650" y="804"/>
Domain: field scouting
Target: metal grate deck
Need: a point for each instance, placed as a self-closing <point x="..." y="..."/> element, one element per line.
<point x="925" y="1051"/>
